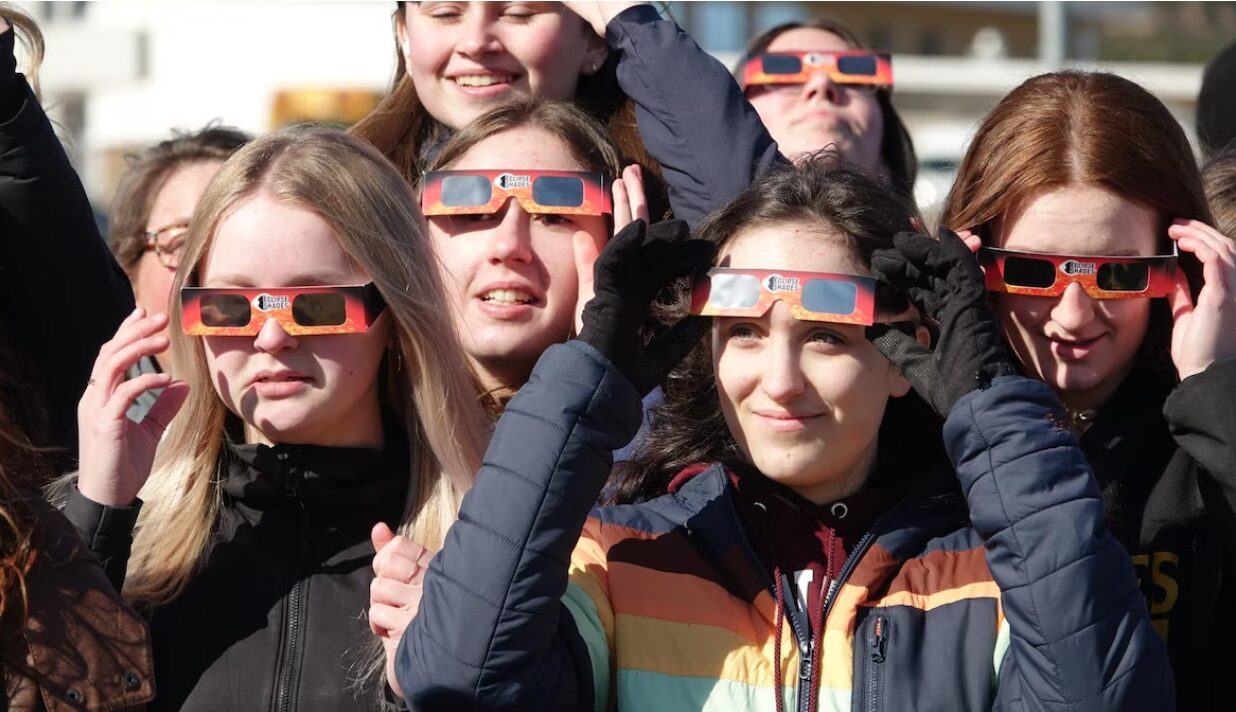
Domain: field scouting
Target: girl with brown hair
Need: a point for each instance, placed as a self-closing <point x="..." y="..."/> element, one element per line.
<point x="1078" y="192"/>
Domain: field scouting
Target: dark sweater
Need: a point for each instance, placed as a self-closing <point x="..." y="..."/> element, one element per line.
<point x="1165" y="458"/>
<point x="62" y="295"/>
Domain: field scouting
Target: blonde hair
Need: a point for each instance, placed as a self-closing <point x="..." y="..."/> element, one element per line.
<point x="28" y="34"/>
<point x="362" y="197"/>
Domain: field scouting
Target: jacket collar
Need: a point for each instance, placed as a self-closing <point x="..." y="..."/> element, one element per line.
<point x="703" y="507"/>
<point x="368" y="478"/>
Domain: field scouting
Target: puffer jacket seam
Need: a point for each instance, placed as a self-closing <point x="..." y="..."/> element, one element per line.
<point x="498" y="536"/>
<point x="531" y="483"/>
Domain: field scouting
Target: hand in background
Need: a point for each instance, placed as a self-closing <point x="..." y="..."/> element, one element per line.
<point x="395" y="593"/>
<point x="630" y="204"/>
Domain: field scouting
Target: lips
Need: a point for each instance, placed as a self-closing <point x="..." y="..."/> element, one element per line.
<point x="280" y="376"/>
<point x="1073" y="349"/>
<point x="784" y="422"/>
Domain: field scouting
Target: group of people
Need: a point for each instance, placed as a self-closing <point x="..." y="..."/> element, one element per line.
<point x="587" y="373"/>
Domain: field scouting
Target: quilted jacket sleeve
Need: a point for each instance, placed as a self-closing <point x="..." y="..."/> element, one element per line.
<point x="692" y="115"/>
<point x="1080" y="635"/>
<point x="493" y="632"/>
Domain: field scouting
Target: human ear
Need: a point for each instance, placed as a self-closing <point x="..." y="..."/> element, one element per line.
<point x="401" y="33"/>
<point x="596" y="52"/>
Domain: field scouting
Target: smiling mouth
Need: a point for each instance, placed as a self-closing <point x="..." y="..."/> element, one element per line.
<point x="507" y="296"/>
<point x="282" y="379"/>
<point x="483" y="80"/>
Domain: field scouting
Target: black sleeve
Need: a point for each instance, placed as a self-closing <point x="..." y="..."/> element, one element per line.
<point x="1201" y="413"/>
<point x="63" y="294"/>
<point x="107" y="531"/>
<point x="692" y="115"/>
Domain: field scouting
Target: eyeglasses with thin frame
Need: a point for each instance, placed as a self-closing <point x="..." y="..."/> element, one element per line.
<point x="166" y="243"/>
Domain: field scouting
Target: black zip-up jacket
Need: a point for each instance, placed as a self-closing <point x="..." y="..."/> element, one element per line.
<point x="1165" y="457"/>
<point x="275" y="618"/>
<point x="62" y="295"/>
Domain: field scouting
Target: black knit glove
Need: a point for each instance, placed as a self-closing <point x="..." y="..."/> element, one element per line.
<point x="631" y="270"/>
<point x="942" y="278"/>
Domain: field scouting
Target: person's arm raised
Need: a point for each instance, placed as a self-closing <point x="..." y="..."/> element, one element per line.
<point x="1078" y="633"/>
<point x="65" y="295"/>
<point x="692" y="115"/>
<point x="493" y="631"/>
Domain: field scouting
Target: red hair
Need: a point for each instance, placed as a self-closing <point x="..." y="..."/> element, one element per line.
<point x="1073" y="127"/>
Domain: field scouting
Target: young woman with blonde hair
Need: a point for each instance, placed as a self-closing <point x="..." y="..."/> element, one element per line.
<point x="323" y="394"/>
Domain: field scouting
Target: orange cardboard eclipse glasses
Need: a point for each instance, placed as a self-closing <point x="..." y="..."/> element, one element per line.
<point x="811" y="296"/>
<point x="860" y="68"/>
<point x="485" y="192"/>
<point x="1043" y="275"/>
<point x="301" y="311"/>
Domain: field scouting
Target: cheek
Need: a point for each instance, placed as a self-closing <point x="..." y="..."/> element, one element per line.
<point x="552" y="56"/>
<point x="1128" y="318"/>
<point x="771" y="105"/>
<point x="555" y="253"/>
<point x="427" y="52"/>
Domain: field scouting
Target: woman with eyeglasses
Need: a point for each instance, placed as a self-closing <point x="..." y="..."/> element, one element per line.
<point x="62" y="293"/>
<point x="319" y="392"/>
<point x="1082" y="198"/>
<point x="150" y="219"/>
<point x="793" y="555"/>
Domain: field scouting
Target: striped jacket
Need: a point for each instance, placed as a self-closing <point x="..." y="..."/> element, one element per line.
<point x="1023" y="602"/>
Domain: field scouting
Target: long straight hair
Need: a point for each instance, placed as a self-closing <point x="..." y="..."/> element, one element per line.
<point x="1087" y="128"/>
<point x="359" y="194"/>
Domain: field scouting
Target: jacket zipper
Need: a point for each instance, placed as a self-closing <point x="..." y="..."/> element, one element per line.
<point x="806" y="645"/>
<point x="877" y="643"/>
<point x="296" y="596"/>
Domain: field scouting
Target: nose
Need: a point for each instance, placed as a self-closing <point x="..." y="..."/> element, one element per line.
<point x="272" y="338"/>
<point x="1073" y="309"/>
<point x="783" y="379"/>
<point x="511" y="239"/>
<point x="821" y="87"/>
<point x="476" y="34"/>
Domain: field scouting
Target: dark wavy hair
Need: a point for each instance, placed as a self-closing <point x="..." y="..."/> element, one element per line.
<point x="689" y="427"/>
<point x="896" y="146"/>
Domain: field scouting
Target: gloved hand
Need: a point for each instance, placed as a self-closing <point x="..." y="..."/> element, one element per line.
<point x="636" y="264"/>
<point x="942" y="278"/>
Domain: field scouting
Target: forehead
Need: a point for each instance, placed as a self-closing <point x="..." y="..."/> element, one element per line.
<point x="792" y="246"/>
<point x="1084" y="220"/>
<point x="521" y="147"/>
<point x="803" y="39"/>
<point x="179" y="192"/>
<point x="268" y="243"/>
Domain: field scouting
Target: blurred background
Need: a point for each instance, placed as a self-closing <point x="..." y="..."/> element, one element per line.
<point x="120" y="75"/>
